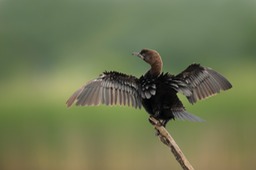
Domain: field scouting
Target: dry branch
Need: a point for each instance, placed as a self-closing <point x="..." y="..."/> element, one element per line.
<point x="167" y="139"/>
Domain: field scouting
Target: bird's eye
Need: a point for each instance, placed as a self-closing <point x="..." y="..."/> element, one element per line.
<point x="143" y="52"/>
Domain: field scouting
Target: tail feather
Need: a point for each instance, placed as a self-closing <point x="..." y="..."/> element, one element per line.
<point x="187" y="116"/>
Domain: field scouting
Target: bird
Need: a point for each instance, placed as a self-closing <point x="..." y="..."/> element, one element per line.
<point x="155" y="91"/>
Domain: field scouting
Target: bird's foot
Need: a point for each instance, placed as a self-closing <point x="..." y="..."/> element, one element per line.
<point x="155" y="121"/>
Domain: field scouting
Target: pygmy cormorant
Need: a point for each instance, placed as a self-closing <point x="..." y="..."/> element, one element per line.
<point x="155" y="91"/>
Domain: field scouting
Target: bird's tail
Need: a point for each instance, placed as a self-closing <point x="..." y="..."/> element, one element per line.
<point x="187" y="116"/>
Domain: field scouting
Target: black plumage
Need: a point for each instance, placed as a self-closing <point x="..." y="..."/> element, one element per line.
<point x="155" y="91"/>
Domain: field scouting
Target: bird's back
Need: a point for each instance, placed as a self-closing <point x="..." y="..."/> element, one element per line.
<point x="165" y="98"/>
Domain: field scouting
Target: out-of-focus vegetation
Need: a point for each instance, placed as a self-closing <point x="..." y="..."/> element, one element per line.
<point x="48" y="49"/>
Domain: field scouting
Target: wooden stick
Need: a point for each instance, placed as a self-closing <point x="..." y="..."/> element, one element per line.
<point x="167" y="139"/>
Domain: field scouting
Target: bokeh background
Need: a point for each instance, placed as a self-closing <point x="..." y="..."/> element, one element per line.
<point x="50" y="48"/>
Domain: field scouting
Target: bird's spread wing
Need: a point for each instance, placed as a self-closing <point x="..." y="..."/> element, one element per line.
<point x="110" y="88"/>
<point x="197" y="82"/>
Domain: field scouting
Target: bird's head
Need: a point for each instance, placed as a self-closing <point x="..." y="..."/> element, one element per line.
<point x="152" y="57"/>
<point x="149" y="56"/>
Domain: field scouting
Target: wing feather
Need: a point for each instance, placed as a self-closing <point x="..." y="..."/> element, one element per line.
<point x="110" y="88"/>
<point x="197" y="82"/>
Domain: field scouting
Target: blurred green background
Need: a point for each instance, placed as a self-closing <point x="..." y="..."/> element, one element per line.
<point x="50" y="48"/>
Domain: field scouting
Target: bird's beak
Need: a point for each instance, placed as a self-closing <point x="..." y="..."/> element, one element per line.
<point x="138" y="55"/>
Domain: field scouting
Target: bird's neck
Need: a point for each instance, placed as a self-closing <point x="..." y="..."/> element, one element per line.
<point x="156" y="68"/>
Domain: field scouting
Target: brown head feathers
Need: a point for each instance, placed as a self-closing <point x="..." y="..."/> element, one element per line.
<point x="153" y="58"/>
